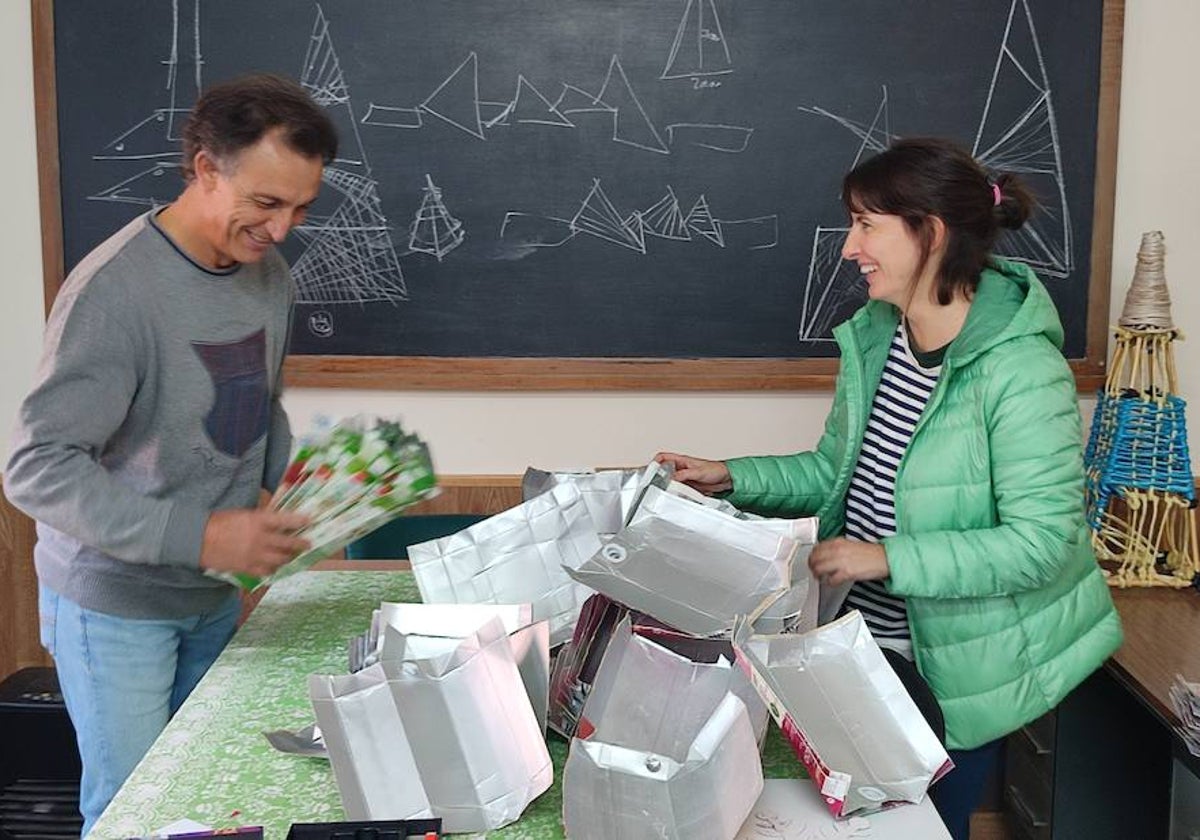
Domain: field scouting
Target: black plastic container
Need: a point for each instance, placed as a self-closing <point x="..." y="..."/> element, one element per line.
<point x="39" y="761"/>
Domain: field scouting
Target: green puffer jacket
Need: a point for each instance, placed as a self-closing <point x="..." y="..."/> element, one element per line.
<point x="1007" y="607"/>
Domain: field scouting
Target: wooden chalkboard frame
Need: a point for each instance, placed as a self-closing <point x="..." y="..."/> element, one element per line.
<point x="550" y="374"/>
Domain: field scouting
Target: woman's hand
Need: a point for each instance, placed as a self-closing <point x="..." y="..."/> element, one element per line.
<point x="840" y="560"/>
<point x="709" y="477"/>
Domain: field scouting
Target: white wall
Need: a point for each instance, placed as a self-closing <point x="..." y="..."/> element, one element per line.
<point x="20" y="230"/>
<point x="1158" y="184"/>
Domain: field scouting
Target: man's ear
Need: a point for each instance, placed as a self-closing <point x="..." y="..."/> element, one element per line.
<point x="207" y="170"/>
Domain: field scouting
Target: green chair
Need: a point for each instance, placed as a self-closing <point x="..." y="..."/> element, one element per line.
<point x="391" y="541"/>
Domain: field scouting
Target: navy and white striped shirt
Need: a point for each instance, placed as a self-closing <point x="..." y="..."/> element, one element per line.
<point x="903" y="392"/>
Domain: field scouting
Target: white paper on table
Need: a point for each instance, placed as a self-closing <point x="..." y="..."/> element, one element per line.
<point x="791" y="809"/>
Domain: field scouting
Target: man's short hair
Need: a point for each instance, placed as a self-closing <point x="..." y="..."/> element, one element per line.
<point x="236" y="114"/>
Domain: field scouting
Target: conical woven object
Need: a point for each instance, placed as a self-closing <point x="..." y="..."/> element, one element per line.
<point x="1148" y="303"/>
<point x="1140" y="494"/>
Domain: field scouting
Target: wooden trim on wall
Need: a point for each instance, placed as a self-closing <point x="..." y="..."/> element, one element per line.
<point x="1094" y="369"/>
<point x="20" y="644"/>
<point x="45" y="110"/>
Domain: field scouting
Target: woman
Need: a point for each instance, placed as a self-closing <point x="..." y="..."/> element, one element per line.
<point x="949" y="478"/>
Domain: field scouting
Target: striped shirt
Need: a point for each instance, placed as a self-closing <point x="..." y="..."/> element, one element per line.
<point x="903" y="392"/>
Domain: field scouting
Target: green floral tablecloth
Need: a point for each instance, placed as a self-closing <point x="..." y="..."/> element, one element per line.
<point x="212" y="764"/>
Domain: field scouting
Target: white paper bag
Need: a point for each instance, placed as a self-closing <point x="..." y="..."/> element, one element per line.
<point x="530" y="640"/>
<point x="472" y="730"/>
<point x="578" y="661"/>
<point x="690" y="566"/>
<point x="514" y="557"/>
<point x="666" y="750"/>
<point x="846" y="714"/>
<point x="610" y="495"/>
<point x="368" y="747"/>
<point x="795" y="611"/>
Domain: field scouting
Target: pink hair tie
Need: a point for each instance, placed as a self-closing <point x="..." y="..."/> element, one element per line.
<point x="996" y="195"/>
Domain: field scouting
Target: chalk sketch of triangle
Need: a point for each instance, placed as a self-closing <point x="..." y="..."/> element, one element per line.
<point x="700" y="48"/>
<point x="1018" y="133"/>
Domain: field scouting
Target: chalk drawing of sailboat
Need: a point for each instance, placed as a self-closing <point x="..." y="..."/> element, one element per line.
<point x="700" y="48"/>
<point x="150" y="149"/>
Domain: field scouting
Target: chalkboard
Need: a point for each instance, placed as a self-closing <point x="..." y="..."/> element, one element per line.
<point x="576" y="193"/>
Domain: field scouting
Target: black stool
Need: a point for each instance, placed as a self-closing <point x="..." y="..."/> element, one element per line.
<point x="39" y="761"/>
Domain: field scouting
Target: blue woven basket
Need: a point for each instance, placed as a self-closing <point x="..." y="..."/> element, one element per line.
<point x="1136" y="444"/>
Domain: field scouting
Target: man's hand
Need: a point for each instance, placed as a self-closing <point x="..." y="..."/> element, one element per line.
<point x="709" y="477"/>
<point x="840" y="560"/>
<point x="255" y="542"/>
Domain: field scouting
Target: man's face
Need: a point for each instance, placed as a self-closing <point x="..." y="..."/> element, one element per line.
<point x="252" y="200"/>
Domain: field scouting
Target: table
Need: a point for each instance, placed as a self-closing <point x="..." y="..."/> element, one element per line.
<point x="1162" y="639"/>
<point x="212" y="764"/>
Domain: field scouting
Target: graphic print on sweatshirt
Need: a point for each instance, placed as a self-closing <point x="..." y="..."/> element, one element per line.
<point x="240" y="409"/>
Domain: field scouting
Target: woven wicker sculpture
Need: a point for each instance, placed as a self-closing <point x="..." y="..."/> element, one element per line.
<point x="1139" y="478"/>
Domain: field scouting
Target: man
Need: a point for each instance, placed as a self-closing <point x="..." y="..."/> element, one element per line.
<point x="154" y="425"/>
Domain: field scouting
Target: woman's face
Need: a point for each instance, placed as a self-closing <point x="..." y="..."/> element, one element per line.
<point x="887" y="253"/>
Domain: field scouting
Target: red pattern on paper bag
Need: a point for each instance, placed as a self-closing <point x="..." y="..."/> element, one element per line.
<point x="817" y="769"/>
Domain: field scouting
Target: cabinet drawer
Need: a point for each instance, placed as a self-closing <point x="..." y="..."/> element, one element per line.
<point x="1029" y="788"/>
<point x="1035" y="755"/>
<point x="1041" y="732"/>
<point x="1024" y="821"/>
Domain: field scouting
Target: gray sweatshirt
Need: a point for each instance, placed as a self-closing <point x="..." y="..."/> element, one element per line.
<point x="155" y="403"/>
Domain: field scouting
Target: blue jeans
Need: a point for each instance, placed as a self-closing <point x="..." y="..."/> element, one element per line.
<point x="122" y="679"/>
<point x="959" y="792"/>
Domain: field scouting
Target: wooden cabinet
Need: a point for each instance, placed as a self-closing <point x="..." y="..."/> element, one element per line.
<point x="1029" y="778"/>
<point x="1097" y="767"/>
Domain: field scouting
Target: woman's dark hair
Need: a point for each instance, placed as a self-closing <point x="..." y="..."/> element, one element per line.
<point x="236" y="114"/>
<point x="922" y="177"/>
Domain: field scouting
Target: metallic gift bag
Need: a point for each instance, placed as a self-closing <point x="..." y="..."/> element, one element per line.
<point x="610" y="495"/>
<point x="665" y="749"/>
<point x="514" y="557"/>
<point x="468" y="720"/>
<point x="578" y="661"/>
<point x="368" y="747"/>
<point x="846" y="714"/>
<point x="795" y="611"/>
<point x="689" y="566"/>
<point x="530" y="640"/>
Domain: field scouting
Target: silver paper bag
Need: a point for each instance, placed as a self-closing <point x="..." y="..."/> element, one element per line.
<point x="846" y="714"/>
<point x="530" y="640"/>
<point x="665" y="750"/>
<point x="514" y="557"/>
<point x="610" y="495"/>
<point x="795" y="611"/>
<point x="473" y="733"/>
<point x="368" y="747"/>
<point x="578" y="661"/>
<point x="690" y="566"/>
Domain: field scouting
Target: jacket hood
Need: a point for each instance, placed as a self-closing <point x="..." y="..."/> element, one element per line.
<point x="1010" y="302"/>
